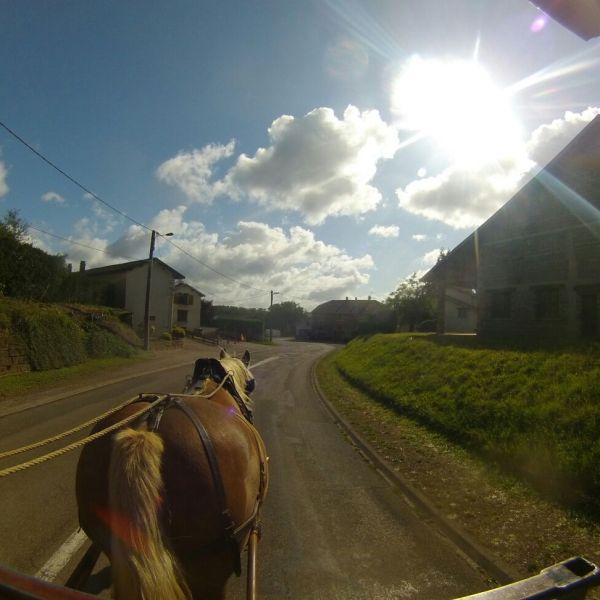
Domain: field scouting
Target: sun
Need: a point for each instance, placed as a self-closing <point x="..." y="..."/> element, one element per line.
<point x="457" y="104"/>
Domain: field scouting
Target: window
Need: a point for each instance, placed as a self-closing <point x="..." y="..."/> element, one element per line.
<point x="462" y="313"/>
<point x="547" y="303"/>
<point x="500" y="304"/>
<point x="186" y="299"/>
<point x="182" y="316"/>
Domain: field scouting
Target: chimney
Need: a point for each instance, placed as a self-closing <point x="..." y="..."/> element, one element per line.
<point x="369" y="297"/>
<point x="346" y="298"/>
<point x="82" y="266"/>
<point x="356" y="297"/>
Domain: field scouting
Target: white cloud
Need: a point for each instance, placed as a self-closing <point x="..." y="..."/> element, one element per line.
<point x="431" y="257"/>
<point x="53" y="197"/>
<point x="464" y="197"/>
<point x="548" y="140"/>
<point x="318" y="165"/>
<point x="391" y="231"/>
<point x="419" y="237"/>
<point x="299" y="266"/>
<point x="191" y="172"/>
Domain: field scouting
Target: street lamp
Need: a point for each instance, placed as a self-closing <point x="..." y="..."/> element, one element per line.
<point x="148" y="286"/>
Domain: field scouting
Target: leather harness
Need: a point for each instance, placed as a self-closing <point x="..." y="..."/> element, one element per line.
<point x="232" y="535"/>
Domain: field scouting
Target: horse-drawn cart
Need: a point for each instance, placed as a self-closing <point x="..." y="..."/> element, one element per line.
<point x="173" y="497"/>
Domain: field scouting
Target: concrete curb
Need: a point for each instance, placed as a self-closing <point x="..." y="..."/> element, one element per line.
<point x="495" y="567"/>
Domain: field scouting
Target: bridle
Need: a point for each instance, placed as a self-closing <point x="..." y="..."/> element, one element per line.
<point x="211" y="368"/>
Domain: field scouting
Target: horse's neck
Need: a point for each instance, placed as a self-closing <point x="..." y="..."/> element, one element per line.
<point x="220" y="396"/>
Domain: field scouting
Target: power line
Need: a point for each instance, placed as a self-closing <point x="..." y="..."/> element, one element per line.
<point x="115" y="209"/>
<point x="245" y="285"/>
<point x="71" y="241"/>
<point x="71" y="179"/>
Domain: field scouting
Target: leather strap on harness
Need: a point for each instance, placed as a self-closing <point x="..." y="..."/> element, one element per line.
<point x="209" y="449"/>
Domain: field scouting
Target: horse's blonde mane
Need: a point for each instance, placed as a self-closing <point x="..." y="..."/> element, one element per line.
<point x="240" y="373"/>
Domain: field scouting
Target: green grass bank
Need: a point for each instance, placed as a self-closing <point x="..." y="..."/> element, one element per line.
<point x="40" y="337"/>
<point x="535" y="411"/>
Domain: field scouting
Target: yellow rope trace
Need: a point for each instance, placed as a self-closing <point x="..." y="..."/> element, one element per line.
<point x="78" y="444"/>
<point x="66" y="433"/>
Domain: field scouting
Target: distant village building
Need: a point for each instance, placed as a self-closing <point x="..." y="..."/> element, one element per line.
<point x="124" y="286"/>
<point x="342" y="320"/>
<point x="535" y="264"/>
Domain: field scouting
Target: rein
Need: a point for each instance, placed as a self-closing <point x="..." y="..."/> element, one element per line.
<point x="83" y="442"/>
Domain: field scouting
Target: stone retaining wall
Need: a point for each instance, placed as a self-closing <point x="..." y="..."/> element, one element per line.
<point x="13" y="356"/>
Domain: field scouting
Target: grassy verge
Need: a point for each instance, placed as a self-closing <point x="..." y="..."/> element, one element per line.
<point x="23" y="383"/>
<point x="502" y="512"/>
<point x="535" y="411"/>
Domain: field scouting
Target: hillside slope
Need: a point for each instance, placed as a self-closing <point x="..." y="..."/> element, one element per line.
<point x="38" y="337"/>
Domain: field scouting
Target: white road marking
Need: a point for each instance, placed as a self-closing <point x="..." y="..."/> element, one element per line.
<point x="59" y="560"/>
<point x="262" y="362"/>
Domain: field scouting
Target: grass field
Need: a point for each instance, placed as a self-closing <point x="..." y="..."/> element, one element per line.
<point x="537" y="412"/>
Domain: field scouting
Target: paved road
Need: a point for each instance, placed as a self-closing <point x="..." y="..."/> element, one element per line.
<point x="333" y="528"/>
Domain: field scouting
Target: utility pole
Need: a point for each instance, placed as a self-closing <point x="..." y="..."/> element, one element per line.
<point x="148" y="287"/>
<point x="271" y="317"/>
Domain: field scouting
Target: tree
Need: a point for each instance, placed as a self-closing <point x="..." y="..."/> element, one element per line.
<point x="413" y="303"/>
<point x="13" y="226"/>
<point x="285" y="316"/>
<point x="26" y="271"/>
<point x="207" y="313"/>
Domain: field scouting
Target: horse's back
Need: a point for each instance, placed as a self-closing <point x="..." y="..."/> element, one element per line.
<point x="191" y="510"/>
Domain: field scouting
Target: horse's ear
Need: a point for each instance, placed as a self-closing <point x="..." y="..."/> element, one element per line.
<point x="246" y="358"/>
<point x="223" y="354"/>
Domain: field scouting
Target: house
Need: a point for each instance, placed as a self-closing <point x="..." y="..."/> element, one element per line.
<point x="535" y="263"/>
<point x="187" y="305"/>
<point x="460" y="310"/>
<point x="124" y="286"/>
<point x="341" y="320"/>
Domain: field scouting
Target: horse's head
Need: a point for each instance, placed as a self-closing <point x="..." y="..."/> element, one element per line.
<point x="242" y="377"/>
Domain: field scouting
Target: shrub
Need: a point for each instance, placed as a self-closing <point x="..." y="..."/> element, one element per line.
<point x="166" y="336"/>
<point x="178" y="333"/>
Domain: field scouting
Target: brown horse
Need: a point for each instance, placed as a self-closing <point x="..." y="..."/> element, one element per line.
<point x="173" y="498"/>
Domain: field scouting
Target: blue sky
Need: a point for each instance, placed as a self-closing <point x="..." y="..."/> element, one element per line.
<point x="321" y="149"/>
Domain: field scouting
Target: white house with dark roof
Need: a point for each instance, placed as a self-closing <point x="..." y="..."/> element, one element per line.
<point x="125" y="287"/>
